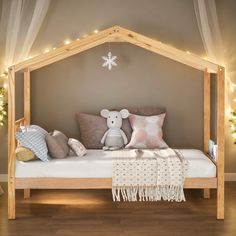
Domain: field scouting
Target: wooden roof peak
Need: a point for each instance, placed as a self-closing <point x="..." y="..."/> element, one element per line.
<point x="116" y="34"/>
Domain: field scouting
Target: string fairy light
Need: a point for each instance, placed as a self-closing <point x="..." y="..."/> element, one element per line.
<point x="3" y="106"/>
<point x="3" y="89"/>
<point x="46" y="50"/>
<point x="67" y="41"/>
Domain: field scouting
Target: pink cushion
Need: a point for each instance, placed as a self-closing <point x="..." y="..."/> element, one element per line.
<point x="147" y="131"/>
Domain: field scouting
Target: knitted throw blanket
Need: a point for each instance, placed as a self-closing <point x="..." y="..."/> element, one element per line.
<point x="148" y="175"/>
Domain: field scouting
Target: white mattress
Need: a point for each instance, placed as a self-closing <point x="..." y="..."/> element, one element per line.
<point x="98" y="164"/>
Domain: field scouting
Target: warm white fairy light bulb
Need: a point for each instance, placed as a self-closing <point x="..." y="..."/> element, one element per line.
<point x="188" y="52"/>
<point x="67" y="41"/>
<point x="95" y="31"/>
<point x="46" y="50"/>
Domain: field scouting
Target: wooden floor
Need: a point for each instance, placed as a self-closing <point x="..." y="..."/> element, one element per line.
<point x="92" y="212"/>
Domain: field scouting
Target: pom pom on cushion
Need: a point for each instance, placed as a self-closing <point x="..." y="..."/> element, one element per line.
<point x="33" y="137"/>
<point x="57" y="145"/>
<point x="24" y="154"/>
<point x="77" y="147"/>
<point x="147" y="132"/>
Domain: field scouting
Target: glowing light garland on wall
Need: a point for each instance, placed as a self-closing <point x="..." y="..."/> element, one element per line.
<point x="232" y="120"/>
<point x="3" y="106"/>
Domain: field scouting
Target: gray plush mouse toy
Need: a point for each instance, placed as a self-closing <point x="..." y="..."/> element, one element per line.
<point x="114" y="138"/>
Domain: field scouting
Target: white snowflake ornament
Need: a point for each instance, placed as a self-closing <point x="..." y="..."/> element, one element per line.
<point x="109" y="61"/>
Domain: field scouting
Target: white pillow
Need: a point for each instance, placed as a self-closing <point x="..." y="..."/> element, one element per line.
<point x="33" y="137"/>
<point x="77" y="147"/>
<point x="147" y="132"/>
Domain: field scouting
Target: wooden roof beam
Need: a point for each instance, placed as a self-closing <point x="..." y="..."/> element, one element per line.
<point x="117" y="34"/>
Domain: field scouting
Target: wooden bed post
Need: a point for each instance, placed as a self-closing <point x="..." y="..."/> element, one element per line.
<point x="207" y="117"/>
<point x="27" y="111"/>
<point x="27" y="97"/>
<point x="11" y="144"/>
<point x="220" y="140"/>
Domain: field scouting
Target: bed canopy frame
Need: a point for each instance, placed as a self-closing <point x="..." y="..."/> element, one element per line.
<point x="114" y="34"/>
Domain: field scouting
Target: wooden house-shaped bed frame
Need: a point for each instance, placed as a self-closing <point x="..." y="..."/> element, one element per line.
<point x="114" y="34"/>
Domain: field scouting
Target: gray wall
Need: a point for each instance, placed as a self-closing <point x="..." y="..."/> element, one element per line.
<point x="141" y="78"/>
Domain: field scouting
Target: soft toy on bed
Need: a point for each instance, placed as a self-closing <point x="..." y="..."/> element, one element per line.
<point x="114" y="138"/>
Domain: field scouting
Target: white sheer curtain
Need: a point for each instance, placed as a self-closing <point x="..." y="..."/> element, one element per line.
<point x="19" y="26"/>
<point x="20" y="22"/>
<point x="206" y="15"/>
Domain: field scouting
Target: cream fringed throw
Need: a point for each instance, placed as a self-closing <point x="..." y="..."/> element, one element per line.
<point x="148" y="175"/>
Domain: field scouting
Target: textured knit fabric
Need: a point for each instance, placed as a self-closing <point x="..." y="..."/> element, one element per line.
<point x="148" y="175"/>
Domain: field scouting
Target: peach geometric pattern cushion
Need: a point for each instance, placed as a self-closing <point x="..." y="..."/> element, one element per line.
<point x="147" y="131"/>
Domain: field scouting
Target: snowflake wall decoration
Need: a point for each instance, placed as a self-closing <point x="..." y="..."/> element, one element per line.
<point x="109" y="61"/>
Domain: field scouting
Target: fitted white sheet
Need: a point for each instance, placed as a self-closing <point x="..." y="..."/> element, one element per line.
<point x="98" y="164"/>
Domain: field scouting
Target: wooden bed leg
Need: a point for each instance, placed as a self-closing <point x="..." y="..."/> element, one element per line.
<point x="220" y="202"/>
<point x="11" y="201"/>
<point x="26" y="193"/>
<point x="206" y="193"/>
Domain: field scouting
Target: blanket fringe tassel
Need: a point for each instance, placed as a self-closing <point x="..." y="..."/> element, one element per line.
<point x="157" y="193"/>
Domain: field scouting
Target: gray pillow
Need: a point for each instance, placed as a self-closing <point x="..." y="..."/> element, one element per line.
<point x="33" y="137"/>
<point x="93" y="127"/>
<point x="57" y="144"/>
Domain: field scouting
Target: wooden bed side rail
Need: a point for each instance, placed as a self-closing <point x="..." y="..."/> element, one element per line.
<point x="97" y="183"/>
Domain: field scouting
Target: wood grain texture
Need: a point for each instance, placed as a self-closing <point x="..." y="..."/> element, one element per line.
<point x="27" y="97"/>
<point x="92" y="213"/>
<point x="206" y="193"/>
<point x="26" y="193"/>
<point x="96" y="183"/>
<point x="116" y="34"/>
<point x="220" y="141"/>
<point x="207" y="108"/>
<point x="11" y="144"/>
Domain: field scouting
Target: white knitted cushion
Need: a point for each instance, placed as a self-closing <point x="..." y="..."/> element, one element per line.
<point x="77" y="147"/>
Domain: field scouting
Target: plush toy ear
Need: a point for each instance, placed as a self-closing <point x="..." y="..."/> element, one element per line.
<point x="124" y="113"/>
<point x="104" y="113"/>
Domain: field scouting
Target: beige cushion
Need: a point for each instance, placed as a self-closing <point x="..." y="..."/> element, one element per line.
<point x="92" y="127"/>
<point x="24" y="154"/>
<point x="57" y="144"/>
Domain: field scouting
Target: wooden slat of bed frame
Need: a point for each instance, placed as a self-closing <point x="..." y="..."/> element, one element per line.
<point x="96" y="183"/>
